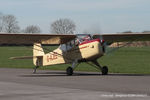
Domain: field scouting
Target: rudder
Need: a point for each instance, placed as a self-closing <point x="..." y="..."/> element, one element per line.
<point x="38" y="53"/>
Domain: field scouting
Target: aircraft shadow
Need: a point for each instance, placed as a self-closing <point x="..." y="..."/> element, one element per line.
<point x="120" y="74"/>
<point x="55" y="73"/>
<point x="50" y="74"/>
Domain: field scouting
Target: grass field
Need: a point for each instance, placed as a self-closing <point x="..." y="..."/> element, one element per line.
<point x="124" y="60"/>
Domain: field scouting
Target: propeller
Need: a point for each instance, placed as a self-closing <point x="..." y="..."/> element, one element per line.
<point x="106" y="46"/>
<point x="103" y="43"/>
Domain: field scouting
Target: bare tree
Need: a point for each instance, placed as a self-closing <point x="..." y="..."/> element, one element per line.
<point x="63" y="26"/>
<point x="1" y="22"/>
<point x="32" y="29"/>
<point x="10" y="24"/>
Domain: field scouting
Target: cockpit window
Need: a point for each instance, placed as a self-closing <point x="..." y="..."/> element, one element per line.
<point x="83" y="37"/>
<point x="67" y="46"/>
<point x="80" y="38"/>
<point x="63" y="47"/>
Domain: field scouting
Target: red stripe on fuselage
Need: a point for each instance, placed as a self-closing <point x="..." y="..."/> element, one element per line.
<point x="89" y="41"/>
<point x="84" y="47"/>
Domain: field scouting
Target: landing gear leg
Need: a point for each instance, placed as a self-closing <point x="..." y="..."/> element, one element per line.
<point x="104" y="69"/>
<point x="34" y="71"/>
<point x="69" y="70"/>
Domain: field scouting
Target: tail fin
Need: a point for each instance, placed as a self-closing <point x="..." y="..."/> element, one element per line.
<point x="38" y="50"/>
<point x="38" y="53"/>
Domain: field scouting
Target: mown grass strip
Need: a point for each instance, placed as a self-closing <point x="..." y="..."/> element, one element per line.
<point x="124" y="60"/>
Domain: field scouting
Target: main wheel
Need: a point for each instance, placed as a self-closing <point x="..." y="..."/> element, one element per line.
<point x="69" y="71"/>
<point x="104" y="70"/>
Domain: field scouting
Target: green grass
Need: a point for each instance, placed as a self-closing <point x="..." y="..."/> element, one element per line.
<point x="124" y="60"/>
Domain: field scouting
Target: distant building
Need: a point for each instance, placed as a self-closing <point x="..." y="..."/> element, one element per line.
<point x="127" y="32"/>
<point x="146" y="31"/>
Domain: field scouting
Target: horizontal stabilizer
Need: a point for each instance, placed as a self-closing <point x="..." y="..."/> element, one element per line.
<point x="24" y="57"/>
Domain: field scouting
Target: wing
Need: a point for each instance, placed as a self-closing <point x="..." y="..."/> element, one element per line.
<point x="35" y="38"/>
<point x="121" y="37"/>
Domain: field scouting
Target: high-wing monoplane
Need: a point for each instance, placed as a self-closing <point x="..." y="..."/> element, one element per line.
<point x="73" y="49"/>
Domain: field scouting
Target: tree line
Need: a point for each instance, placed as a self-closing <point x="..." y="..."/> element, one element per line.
<point x="9" y="24"/>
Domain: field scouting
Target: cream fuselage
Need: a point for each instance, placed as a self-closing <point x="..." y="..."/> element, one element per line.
<point x="85" y="51"/>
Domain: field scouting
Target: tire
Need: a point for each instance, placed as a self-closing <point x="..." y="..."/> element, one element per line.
<point x="104" y="70"/>
<point x="69" y="71"/>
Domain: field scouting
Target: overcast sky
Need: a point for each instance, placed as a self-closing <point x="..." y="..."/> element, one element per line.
<point x="105" y="16"/>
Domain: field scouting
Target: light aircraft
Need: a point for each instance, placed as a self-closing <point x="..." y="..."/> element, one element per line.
<point x="73" y="49"/>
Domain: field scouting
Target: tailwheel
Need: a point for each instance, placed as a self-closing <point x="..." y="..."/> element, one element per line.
<point x="34" y="71"/>
<point x="69" y="71"/>
<point x="104" y="70"/>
